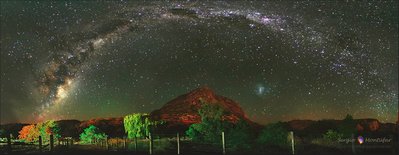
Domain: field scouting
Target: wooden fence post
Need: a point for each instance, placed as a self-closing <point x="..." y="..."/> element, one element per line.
<point x="394" y="147"/>
<point x="51" y="142"/>
<point x="40" y="144"/>
<point x="292" y="142"/>
<point x="124" y="143"/>
<point x="9" y="147"/>
<point x="223" y="143"/>
<point x="150" y="147"/>
<point x="178" y="143"/>
<point x="353" y="144"/>
<point x="106" y="143"/>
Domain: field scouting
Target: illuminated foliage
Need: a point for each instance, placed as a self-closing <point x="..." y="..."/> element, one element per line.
<point x="211" y="126"/>
<point x="29" y="133"/>
<point x="138" y="125"/>
<point x="91" y="134"/>
<point x="45" y="129"/>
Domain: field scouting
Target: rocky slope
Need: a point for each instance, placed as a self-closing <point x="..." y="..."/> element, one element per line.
<point x="183" y="110"/>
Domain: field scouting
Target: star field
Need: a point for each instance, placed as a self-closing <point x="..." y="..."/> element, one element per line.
<point x="279" y="60"/>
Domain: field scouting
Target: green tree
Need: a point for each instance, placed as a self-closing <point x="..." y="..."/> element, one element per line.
<point x="48" y="128"/>
<point x="237" y="135"/>
<point x="90" y="134"/>
<point x="211" y="125"/>
<point x="274" y="135"/>
<point x="138" y="125"/>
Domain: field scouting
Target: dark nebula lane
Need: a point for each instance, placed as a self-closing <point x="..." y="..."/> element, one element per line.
<point x="279" y="60"/>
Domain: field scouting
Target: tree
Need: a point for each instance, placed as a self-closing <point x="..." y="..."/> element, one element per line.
<point x="90" y="134"/>
<point x="274" y="134"/>
<point x="48" y="128"/>
<point x="29" y="133"/>
<point x="211" y="125"/>
<point x="138" y="125"/>
<point x="44" y="129"/>
<point x="348" y="126"/>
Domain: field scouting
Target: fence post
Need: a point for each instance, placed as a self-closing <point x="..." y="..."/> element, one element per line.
<point x="292" y="142"/>
<point x="178" y="143"/>
<point x="394" y="147"/>
<point x="135" y="143"/>
<point x="150" y="143"/>
<point x="51" y="142"/>
<point x="106" y="143"/>
<point x="9" y="148"/>
<point x="40" y="144"/>
<point x="353" y="144"/>
<point x="223" y="143"/>
<point x="124" y="143"/>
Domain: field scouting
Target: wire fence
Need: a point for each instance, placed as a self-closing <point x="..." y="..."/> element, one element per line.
<point x="180" y="144"/>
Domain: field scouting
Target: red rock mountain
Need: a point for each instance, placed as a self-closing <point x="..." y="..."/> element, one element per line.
<point x="183" y="110"/>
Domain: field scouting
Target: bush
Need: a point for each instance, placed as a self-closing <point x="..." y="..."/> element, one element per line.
<point x="330" y="139"/>
<point x="91" y="134"/>
<point x="239" y="137"/>
<point x="274" y="135"/>
<point x="332" y="135"/>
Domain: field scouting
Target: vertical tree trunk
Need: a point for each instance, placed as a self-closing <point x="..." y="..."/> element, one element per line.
<point x="40" y="144"/>
<point x="9" y="147"/>
<point x="51" y="142"/>
<point x="135" y="144"/>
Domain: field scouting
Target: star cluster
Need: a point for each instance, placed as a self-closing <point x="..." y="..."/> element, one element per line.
<point x="279" y="60"/>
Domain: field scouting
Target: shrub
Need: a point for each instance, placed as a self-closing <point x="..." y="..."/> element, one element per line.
<point x="332" y="135"/>
<point x="274" y="135"/>
<point x="91" y="134"/>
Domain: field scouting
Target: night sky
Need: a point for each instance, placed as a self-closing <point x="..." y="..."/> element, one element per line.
<point x="280" y="60"/>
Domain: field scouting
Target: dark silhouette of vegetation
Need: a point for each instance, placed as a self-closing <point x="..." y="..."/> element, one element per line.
<point x="273" y="135"/>
<point x="211" y="126"/>
<point x="348" y="126"/>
